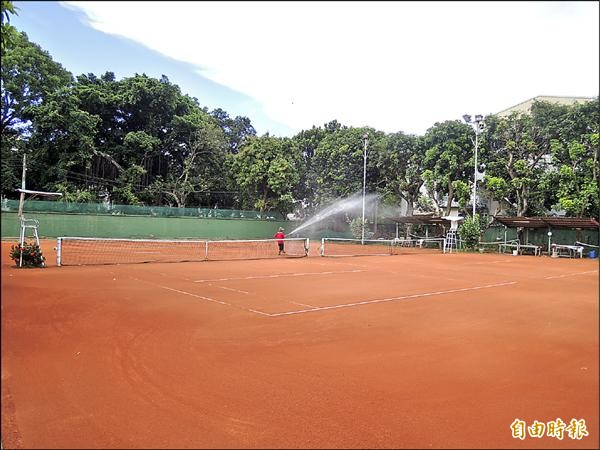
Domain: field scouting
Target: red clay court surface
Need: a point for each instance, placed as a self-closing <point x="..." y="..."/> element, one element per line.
<point x="415" y="351"/>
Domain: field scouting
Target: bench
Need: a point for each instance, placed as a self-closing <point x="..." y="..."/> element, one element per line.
<point x="567" y="251"/>
<point x="521" y="249"/>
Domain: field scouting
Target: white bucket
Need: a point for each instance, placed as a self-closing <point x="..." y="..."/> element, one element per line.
<point x="515" y="252"/>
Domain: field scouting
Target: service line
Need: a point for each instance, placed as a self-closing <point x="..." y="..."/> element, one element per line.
<point x="279" y="275"/>
<point x="389" y="299"/>
<point x="571" y="274"/>
<point x="215" y="301"/>
<point x="344" y="305"/>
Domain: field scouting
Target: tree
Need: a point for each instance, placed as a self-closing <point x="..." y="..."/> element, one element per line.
<point x="29" y="76"/>
<point x="447" y="163"/>
<point x="266" y="168"/>
<point x="470" y="231"/>
<point x="574" y="181"/>
<point x="400" y="165"/>
<point x="61" y="141"/>
<point x="198" y="150"/>
<point x="235" y="130"/>
<point x="307" y="142"/>
<point x="337" y="165"/>
<point x="7" y="31"/>
<point x="517" y="147"/>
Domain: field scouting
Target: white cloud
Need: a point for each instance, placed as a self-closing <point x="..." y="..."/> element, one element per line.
<point x="390" y="65"/>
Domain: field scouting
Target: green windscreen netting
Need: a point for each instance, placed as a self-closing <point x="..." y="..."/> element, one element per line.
<point x="131" y="210"/>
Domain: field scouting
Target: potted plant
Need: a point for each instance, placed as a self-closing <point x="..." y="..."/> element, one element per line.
<point x="29" y="254"/>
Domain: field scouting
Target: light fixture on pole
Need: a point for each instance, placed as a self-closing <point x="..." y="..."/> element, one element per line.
<point x="365" y="144"/>
<point x="477" y="123"/>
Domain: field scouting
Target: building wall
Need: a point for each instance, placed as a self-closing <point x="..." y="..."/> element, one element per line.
<point x="525" y="106"/>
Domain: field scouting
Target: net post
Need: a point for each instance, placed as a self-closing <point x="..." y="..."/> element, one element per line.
<point x="206" y="250"/>
<point x="58" y="251"/>
<point x="322" y="249"/>
<point x="307" y="245"/>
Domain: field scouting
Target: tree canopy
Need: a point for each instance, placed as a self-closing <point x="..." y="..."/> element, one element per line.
<point x="140" y="140"/>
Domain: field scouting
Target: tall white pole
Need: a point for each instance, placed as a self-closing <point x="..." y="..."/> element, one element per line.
<point x="475" y="174"/>
<point x="21" y="202"/>
<point x="477" y="123"/>
<point x="366" y="141"/>
<point x="22" y="197"/>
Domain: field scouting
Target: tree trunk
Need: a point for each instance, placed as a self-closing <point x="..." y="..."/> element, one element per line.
<point x="450" y="198"/>
<point x="409" y="212"/>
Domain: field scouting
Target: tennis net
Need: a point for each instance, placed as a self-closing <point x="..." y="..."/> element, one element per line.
<point x="359" y="247"/>
<point x="72" y="251"/>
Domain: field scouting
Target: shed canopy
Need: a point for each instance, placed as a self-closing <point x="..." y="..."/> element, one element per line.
<point x="419" y="219"/>
<point x="548" y="222"/>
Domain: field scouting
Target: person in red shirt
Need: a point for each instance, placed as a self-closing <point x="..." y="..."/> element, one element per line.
<point x="280" y="237"/>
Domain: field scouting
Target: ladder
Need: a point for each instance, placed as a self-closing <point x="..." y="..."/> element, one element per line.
<point x="28" y="224"/>
<point x="450" y="242"/>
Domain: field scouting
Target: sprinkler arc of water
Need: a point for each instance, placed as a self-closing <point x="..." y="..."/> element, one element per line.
<point x="343" y="205"/>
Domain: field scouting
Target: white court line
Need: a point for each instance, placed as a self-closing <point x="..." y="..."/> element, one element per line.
<point x="201" y="297"/>
<point x="571" y="274"/>
<point x="390" y="299"/>
<point x="299" y="274"/>
<point x="493" y="262"/>
<point x="194" y="295"/>
<point x="345" y="305"/>
<point x="213" y="300"/>
<point x="303" y="304"/>
<point x="227" y="288"/>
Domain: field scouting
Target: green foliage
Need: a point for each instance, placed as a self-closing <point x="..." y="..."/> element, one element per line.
<point x="448" y="158"/>
<point x="140" y="139"/>
<point x="236" y="130"/>
<point x="72" y="193"/>
<point x="529" y="152"/>
<point x="425" y="204"/>
<point x="32" y="255"/>
<point x="399" y="163"/>
<point x="338" y="163"/>
<point x="356" y="225"/>
<point x="7" y="31"/>
<point x="268" y="167"/>
<point x="29" y="76"/>
<point x="470" y="231"/>
<point x="497" y="186"/>
<point x="462" y="192"/>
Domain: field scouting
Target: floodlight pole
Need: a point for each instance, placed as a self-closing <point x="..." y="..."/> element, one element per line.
<point x="22" y="197"/>
<point x="476" y="123"/>
<point x="365" y="144"/>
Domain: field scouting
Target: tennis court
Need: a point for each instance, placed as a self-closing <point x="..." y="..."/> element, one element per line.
<point x="423" y="350"/>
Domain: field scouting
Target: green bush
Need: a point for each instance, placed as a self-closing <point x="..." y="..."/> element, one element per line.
<point x="470" y="231"/>
<point x="32" y="255"/>
<point x="356" y="228"/>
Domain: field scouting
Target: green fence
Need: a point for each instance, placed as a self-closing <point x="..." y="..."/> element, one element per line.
<point x="134" y="210"/>
<point x="124" y="221"/>
<point x="53" y="225"/>
<point x="539" y="236"/>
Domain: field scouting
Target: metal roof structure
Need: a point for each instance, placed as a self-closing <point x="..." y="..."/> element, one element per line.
<point x="509" y="221"/>
<point x="419" y="219"/>
<point x="548" y="222"/>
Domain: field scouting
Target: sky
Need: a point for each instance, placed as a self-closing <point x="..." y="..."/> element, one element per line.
<point x="289" y="66"/>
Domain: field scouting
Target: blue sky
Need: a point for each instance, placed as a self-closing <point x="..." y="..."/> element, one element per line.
<point x="65" y="34"/>
<point x="393" y="66"/>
